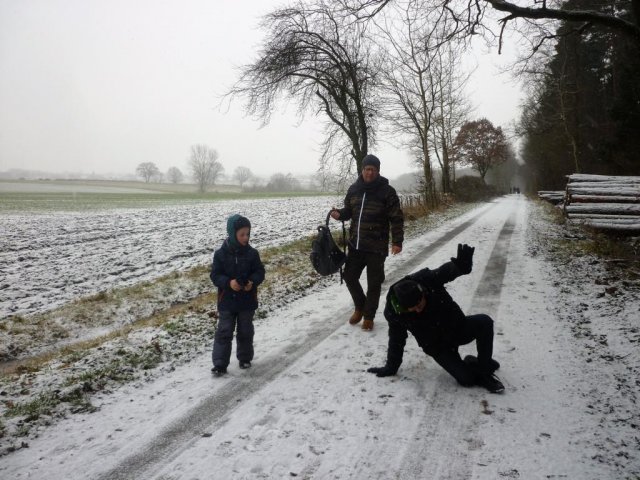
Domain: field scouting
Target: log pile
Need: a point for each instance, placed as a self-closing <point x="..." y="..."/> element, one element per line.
<point x="552" y="196"/>
<point x="603" y="202"/>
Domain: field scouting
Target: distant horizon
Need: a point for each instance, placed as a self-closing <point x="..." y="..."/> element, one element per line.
<point x="93" y="86"/>
<point x="36" y="174"/>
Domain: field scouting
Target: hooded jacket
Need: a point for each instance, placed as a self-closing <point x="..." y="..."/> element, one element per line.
<point x="242" y="263"/>
<point x="434" y="327"/>
<point x="374" y="211"/>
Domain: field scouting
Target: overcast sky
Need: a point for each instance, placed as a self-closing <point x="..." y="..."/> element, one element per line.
<point x="102" y="85"/>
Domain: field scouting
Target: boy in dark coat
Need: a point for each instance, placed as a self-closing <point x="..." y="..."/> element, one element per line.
<point x="236" y="271"/>
<point x="373" y="207"/>
<point x="420" y="304"/>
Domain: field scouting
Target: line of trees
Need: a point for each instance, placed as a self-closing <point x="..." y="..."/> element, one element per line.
<point x="206" y="171"/>
<point x="149" y="172"/>
<point x="583" y="109"/>
<point x="367" y="66"/>
<point x="398" y="69"/>
<point x="204" y="167"/>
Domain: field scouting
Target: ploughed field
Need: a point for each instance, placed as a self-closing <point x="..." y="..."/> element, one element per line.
<point x="48" y="259"/>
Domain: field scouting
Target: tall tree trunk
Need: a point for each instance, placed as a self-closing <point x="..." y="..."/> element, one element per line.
<point x="446" y="167"/>
<point x="430" y="196"/>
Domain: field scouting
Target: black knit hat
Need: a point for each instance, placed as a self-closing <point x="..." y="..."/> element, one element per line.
<point x="408" y="293"/>
<point x="371" y="160"/>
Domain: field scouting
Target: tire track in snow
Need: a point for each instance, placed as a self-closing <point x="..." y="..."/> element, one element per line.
<point x="486" y="298"/>
<point x="446" y="455"/>
<point x="216" y="409"/>
<point x="408" y="265"/>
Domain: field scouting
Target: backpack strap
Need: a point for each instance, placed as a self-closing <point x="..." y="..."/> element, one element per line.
<point x="344" y="243"/>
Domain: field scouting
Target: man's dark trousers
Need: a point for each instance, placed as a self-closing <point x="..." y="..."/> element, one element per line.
<point x="357" y="260"/>
<point x="474" y="327"/>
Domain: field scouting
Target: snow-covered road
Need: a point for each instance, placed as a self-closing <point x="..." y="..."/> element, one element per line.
<point x="308" y="409"/>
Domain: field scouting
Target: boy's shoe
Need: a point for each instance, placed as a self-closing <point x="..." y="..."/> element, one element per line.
<point x="367" y="324"/>
<point x="355" y="317"/>
<point x="491" y="383"/>
<point x="218" y="371"/>
<point x="473" y="360"/>
<point x="245" y="365"/>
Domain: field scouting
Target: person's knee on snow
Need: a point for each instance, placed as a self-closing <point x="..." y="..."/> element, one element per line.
<point x="482" y="325"/>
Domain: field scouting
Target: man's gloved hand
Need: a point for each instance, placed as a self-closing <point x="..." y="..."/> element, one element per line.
<point x="464" y="260"/>
<point x="382" y="371"/>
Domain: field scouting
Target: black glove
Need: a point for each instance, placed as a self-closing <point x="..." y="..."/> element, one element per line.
<point x="464" y="260"/>
<point x="382" y="371"/>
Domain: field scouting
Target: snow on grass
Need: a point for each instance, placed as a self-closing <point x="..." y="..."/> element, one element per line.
<point x="139" y="332"/>
<point x="50" y="259"/>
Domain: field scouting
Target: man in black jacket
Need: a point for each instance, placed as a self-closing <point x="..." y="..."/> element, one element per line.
<point x="373" y="207"/>
<point x="420" y="304"/>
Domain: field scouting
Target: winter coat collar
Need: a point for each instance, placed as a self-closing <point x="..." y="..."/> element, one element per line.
<point x="237" y="248"/>
<point x="375" y="185"/>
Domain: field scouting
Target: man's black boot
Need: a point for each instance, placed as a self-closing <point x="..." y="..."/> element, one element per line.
<point x="473" y="360"/>
<point x="491" y="383"/>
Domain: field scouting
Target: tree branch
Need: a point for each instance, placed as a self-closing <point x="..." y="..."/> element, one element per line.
<point x="589" y="16"/>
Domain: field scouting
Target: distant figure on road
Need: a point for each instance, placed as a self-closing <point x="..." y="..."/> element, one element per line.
<point x="236" y="271"/>
<point x="420" y="304"/>
<point x="373" y="207"/>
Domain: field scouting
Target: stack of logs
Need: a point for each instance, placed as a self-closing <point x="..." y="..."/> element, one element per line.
<point x="552" y="196"/>
<point x="603" y="202"/>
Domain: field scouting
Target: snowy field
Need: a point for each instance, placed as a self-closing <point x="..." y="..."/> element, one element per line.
<point x="566" y="337"/>
<point x="48" y="259"/>
<point x="58" y="187"/>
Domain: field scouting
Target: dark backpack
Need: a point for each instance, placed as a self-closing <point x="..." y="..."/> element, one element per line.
<point x="326" y="256"/>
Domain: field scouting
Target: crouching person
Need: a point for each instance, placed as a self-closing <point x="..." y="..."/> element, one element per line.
<point x="420" y="304"/>
<point x="236" y="271"/>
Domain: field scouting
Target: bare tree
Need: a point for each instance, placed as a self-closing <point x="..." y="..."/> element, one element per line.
<point x="147" y="170"/>
<point x="481" y="145"/>
<point x="470" y="16"/>
<point x="421" y="76"/>
<point x="204" y="165"/>
<point x="624" y="18"/>
<point x="279" y="182"/>
<point x="242" y="175"/>
<point x="412" y="95"/>
<point x="324" y="62"/>
<point x="452" y="108"/>
<point x="174" y="174"/>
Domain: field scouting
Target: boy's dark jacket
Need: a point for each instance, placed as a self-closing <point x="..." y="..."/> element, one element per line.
<point x="433" y="328"/>
<point x="371" y="207"/>
<point x="243" y="264"/>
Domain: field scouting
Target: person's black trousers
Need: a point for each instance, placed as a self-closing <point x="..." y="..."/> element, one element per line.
<point x="475" y="327"/>
<point x="357" y="260"/>
<point x="221" y="354"/>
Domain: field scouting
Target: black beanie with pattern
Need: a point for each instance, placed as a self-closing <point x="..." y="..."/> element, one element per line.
<point x="408" y="293"/>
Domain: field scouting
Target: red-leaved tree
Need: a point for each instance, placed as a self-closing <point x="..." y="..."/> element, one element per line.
<point x="480" y="145"/>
